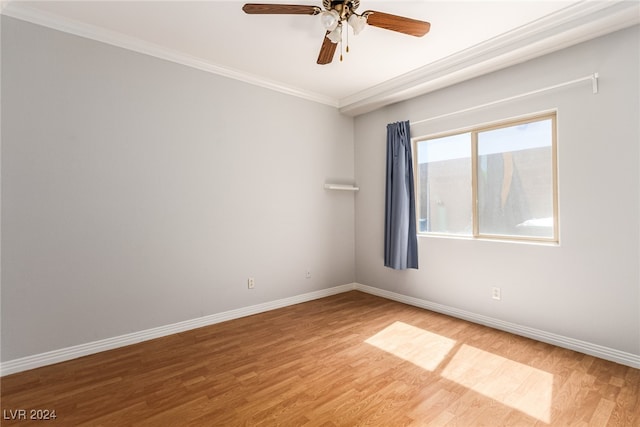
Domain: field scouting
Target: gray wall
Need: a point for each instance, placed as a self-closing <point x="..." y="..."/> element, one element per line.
<point x="138" y="193"/>
<point x="587" y="288"/>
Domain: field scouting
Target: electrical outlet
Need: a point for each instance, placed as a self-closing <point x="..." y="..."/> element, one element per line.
<point x="308" y="274"/>
<point x="251" y="283"/>
<point x="496" y="294"/>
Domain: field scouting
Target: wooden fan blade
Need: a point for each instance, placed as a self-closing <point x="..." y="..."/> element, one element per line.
<point x="413" y="27"/>
<point x="280" y="9"/>
<point x="327" y="50"/>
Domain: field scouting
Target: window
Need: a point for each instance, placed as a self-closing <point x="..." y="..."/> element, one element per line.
<point x="495" y="181"/>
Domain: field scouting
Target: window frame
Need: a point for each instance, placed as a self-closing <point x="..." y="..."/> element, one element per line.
<point x="474" y="131"/>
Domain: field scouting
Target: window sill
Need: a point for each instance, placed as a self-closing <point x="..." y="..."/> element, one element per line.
<point x="491" y="239"/>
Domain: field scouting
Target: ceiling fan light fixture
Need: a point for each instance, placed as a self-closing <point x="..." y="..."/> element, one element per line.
<point x="336" y="35"/>
<point x="338" y="14"/>
<point x="357" y="23"/>
<point x="330" y="19"/>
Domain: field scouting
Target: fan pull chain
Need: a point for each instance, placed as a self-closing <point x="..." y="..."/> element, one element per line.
<point x="341" y="42"/>
<point x="347" y="27"/>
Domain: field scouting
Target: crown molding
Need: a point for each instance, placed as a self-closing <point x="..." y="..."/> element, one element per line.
<point x="20" y="10"/>
<point x="572" y="25"/>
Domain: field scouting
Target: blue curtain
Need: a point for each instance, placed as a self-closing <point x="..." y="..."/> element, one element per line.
<point x="400" y="239"/>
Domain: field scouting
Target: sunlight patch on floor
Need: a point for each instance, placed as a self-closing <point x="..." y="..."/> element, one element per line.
<point x="519" y="386"/>
<point x="415" y="345"/>
<point x="514" y="384"/>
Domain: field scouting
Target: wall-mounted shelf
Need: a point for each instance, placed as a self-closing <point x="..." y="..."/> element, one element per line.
<point x="341" y="187"/>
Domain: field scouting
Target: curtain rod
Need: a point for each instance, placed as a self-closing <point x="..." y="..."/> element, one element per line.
<point x="592" y="77"/>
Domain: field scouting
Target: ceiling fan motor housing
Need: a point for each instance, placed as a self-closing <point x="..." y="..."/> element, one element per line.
<point x="344" y="7"/>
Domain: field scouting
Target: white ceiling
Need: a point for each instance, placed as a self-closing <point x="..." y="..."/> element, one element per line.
<point x="467" y="38"/>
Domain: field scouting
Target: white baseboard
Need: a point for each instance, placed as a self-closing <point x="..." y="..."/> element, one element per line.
<point x="591" y="349"/>
<point x="64" y="354"/>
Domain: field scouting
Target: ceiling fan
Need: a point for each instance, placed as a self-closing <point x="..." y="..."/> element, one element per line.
<point x="335" y="15"/>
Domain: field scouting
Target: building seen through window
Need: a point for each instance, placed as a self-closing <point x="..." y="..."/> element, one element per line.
<point x="493" y="181"/>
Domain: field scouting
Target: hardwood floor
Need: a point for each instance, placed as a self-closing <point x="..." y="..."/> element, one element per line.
<point x="351" y="359"/>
